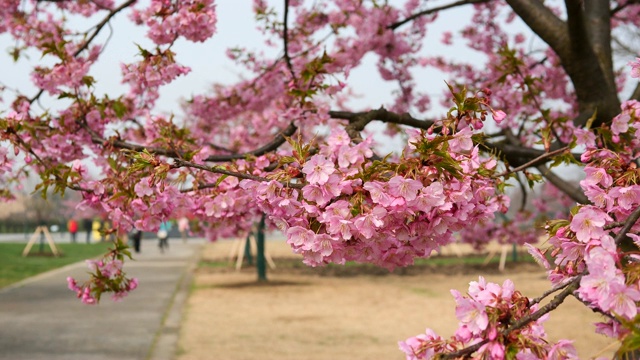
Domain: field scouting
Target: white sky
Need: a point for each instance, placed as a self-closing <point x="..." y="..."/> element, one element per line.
<point x="236" y="27"/>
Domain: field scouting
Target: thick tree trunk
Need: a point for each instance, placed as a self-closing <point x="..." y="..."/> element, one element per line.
<point x="260" y="259"/>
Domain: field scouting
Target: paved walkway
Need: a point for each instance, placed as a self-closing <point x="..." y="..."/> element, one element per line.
<point x="41" y="319"/>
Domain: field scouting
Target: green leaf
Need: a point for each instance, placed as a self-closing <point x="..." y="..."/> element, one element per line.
<point x="88" y="80"/>
<point x="590" y="120"/>
<point x="119" y="108"/>
<point x="221" y="179"/>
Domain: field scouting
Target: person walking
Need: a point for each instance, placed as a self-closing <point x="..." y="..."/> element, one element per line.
<point x="72" y="227"/>
<point x="136" y="236"/>
<point x="163" y="235"/>
<point x="183" y="227"/>
<point x="87" y="226"/>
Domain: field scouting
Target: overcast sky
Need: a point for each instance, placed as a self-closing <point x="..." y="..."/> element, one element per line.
<point x="236" y="27"/>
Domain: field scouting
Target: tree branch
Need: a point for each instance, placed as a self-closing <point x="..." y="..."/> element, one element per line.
<point x="544" y="23"/>
<point x="617" y="9"/>
<point x="598" y="28"/>
<point x="573" y="192"/>
<point x="434" y="10"/>
<point x="382" y="115"/>
<point x="279" y="139"/>
<point x="217" y="170"/>
<point x="522" y="322"/>
<point x="542" y="158"/>
<point x="586" y="61"/>
<point x="636" y="93"/>
<point x="628" y="224"/>
<point x="285" y="39"/>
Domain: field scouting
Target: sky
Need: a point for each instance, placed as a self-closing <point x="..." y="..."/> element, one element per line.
<point x="235" y="27"/>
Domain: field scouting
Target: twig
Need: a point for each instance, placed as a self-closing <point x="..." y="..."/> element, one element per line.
<point x="522" y="322"/>
<point x="628" y="224"/>
<point x="279" y="139"/>
<point x="549" y="292"/>
<point x="533" y="162"/>
<point x="434" y="10"/>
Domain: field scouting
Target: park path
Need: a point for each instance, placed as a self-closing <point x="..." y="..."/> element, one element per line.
<point x="41" y="319"/>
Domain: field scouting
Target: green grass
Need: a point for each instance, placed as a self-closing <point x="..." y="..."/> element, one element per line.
<point x="474" y="259"/>
<point x="14" y="267"/>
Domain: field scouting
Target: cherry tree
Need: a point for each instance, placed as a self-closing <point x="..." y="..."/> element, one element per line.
<point x="285" y="141"/>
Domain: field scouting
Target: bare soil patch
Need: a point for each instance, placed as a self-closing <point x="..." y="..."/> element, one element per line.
<point x="345" y="312"/>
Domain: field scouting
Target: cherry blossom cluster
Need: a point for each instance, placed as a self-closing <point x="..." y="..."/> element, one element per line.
<point x="344" y="212"/>
<point x="85" y="8"/>
<point x="154" y="70"/>
<point x="590" y="244"/>
<point x="106" y="276"/>
<point x="486" y="316"/>
<point x="195" y="20"/>
<point x="71" y="72"/>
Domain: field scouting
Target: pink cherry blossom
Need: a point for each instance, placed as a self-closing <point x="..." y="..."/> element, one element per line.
<point x="318" y="169"/>
<point x="588" y="223"/>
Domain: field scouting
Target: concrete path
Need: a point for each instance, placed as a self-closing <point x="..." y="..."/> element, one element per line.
<point x="41" y="319"/>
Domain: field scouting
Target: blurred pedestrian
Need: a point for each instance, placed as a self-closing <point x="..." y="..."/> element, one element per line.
<point x="136" y="236"/>
<point x="72" y="227"/>
<point x="163" y="235"/>
<point x="183" y="227"/>
<point x="86" y="226"/>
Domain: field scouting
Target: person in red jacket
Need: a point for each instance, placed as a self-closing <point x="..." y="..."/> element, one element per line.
<point x="72" y="226"/>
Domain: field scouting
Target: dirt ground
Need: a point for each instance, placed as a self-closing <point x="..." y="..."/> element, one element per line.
<point x="312" y="315"/>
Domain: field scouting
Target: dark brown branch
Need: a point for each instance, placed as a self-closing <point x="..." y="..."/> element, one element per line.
<point x="636" y="93"/>
<point x="358" y="121"/>
<point x="623" y="6"/>
<point x="628" y="224"/>
<point x="570" y="190"/>
<point x="587" y="60"/>
<point x="382" y="115"/>
<point x="549" y="292"/>
<point x="279" y="139"/>
<point x="274" y="144"/>
<point x="598" y="27"/>
<point x="120" y="144"/>
<point x="552" y="305"/>
<point x="285" y="39"/>
<point x="544" y="23"/>
<point x="542" y="158"/>
<point x="434" y="10"/>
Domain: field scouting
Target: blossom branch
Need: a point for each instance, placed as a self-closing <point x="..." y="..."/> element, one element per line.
<point x="522" y="322"/>
<point x="218" y="170"/>
<point x="93" y="35"/>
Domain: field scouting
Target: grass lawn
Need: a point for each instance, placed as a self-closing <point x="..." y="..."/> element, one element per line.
<point x="14" y="267"/>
